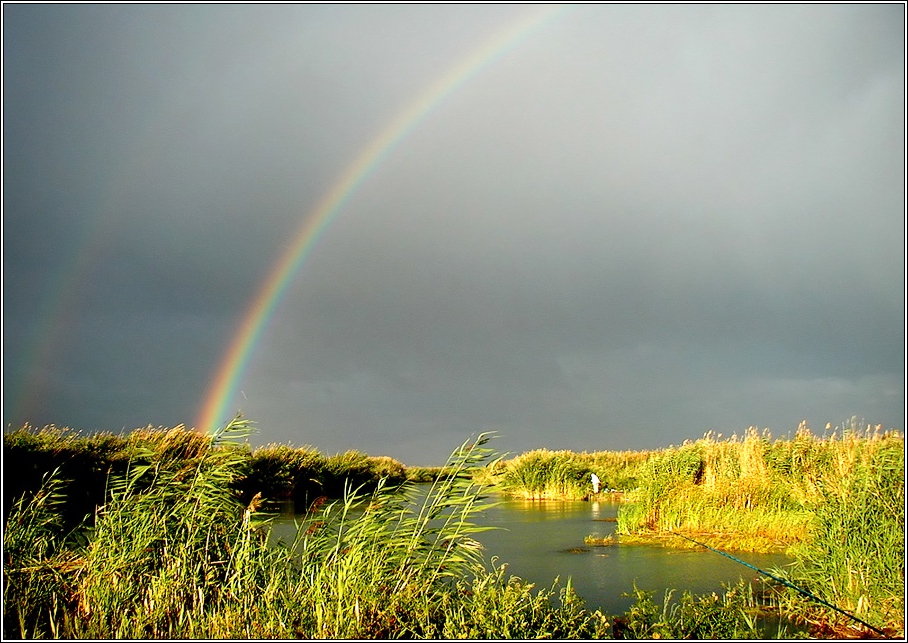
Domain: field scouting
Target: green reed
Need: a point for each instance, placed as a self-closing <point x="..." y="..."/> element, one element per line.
<point x="172" y="552"/>
<point x="547" y="474"/>
<point x="178" y="546"/>
<point x="279" y="472"/>
<point x="835" y="503"/>
<point x="737" y="613"/>
<point x="855" y="555"/>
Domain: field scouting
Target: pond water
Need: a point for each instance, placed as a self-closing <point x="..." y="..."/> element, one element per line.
<point x="544" y="540"/>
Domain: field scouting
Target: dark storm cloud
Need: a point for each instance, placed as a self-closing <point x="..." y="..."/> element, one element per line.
<point x="641" y="223"/>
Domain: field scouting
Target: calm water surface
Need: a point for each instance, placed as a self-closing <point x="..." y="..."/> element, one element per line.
<point x="544" y="540"/>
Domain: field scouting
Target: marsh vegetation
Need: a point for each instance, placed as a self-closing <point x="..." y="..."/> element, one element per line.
<point x="835" y="503"/>
<point x="173" y="552"/>
<point x="165" y="533"/>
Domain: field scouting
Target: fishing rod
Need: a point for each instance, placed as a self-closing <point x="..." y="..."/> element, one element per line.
<point x="787" y="584"/>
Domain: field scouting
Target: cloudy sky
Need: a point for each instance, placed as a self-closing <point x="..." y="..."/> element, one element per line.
<point x="634" y="225"/>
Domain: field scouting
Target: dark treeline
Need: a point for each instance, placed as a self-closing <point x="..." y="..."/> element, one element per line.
<point x="87" y="462"/>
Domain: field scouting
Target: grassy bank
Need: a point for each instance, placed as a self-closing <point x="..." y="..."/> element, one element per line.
<point x="565" y="475"/>
<point x="276" y="471"/>
<point x="175" y="541"/>
<point x="835" y="503"/>
<point x="174" y="552"/>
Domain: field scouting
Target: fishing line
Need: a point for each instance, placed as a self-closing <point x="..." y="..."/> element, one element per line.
<point x="787" y="584"/>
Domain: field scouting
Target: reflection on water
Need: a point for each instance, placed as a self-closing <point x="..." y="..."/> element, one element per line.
<point x="544" y="540"/>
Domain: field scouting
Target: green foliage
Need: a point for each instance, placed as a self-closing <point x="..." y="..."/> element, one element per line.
<point x="855" y="556"/>
<point x="175" y="544"/>
<point x="37" y="568"/>
<point x="353" y="469"/>
<point x="542" y="473"/>
<point x="148" y="559"/>
<point x="836" y="503"/>
<point x="736" y="614"/>
<point x="173" y="553"/>
<point x="546" y="474"/>
<point x="765" y="492"/>
<point x="281" y="472"/>
<point x="363" y="555"/>
<point x="86" y="462"/>
<point x="497" y="608"/>
<point x="277" y="472"/>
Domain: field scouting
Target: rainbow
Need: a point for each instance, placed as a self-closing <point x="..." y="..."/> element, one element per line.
<point x="222" y="389"/>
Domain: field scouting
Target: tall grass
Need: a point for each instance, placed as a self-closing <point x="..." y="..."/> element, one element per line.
<point x="84" y="463"/>
<point x="836" y="503"/>
<point x="738" y="613"/>
<point x="730" y="491"/>
<point x="855" y="555"/>
<point x="546" y="474"/>
<point x="752" y="485"/>
<point x="37" y="563"/>
<point x="278" y="472"/>
<point x="173" y="553"/>
<point x="179" y="546"/>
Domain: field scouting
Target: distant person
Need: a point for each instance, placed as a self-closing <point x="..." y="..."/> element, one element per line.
<point x="595" y="480"/>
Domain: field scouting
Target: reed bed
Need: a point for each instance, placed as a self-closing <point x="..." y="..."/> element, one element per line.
<point x="738" y="613"/>
<point x="855" y="555"/>
<point x="173" y="553"/>
<point x="721" y="489"/>
<point x="565" y="475"/>
<point x="170" y="536"/>
<point x="835" y="503"/>
<point x="278" y="472"/>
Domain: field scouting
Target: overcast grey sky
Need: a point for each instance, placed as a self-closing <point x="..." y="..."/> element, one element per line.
<point x="640" y="223"/>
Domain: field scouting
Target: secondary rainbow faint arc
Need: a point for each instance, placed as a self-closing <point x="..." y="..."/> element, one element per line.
<point x="232" y="366"/>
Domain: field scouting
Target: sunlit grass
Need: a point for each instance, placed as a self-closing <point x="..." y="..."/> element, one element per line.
<point x="565" y="475"/>
<point x="177" y="545"/>
<point x="835" y="503"/>
<point x="173" y="553"/>
<point x="277" y="471"/>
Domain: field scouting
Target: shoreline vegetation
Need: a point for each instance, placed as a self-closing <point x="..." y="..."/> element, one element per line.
<point x="278" y="472"/>
<point x="164" y="533"/>
<point x="834" y="503"/>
